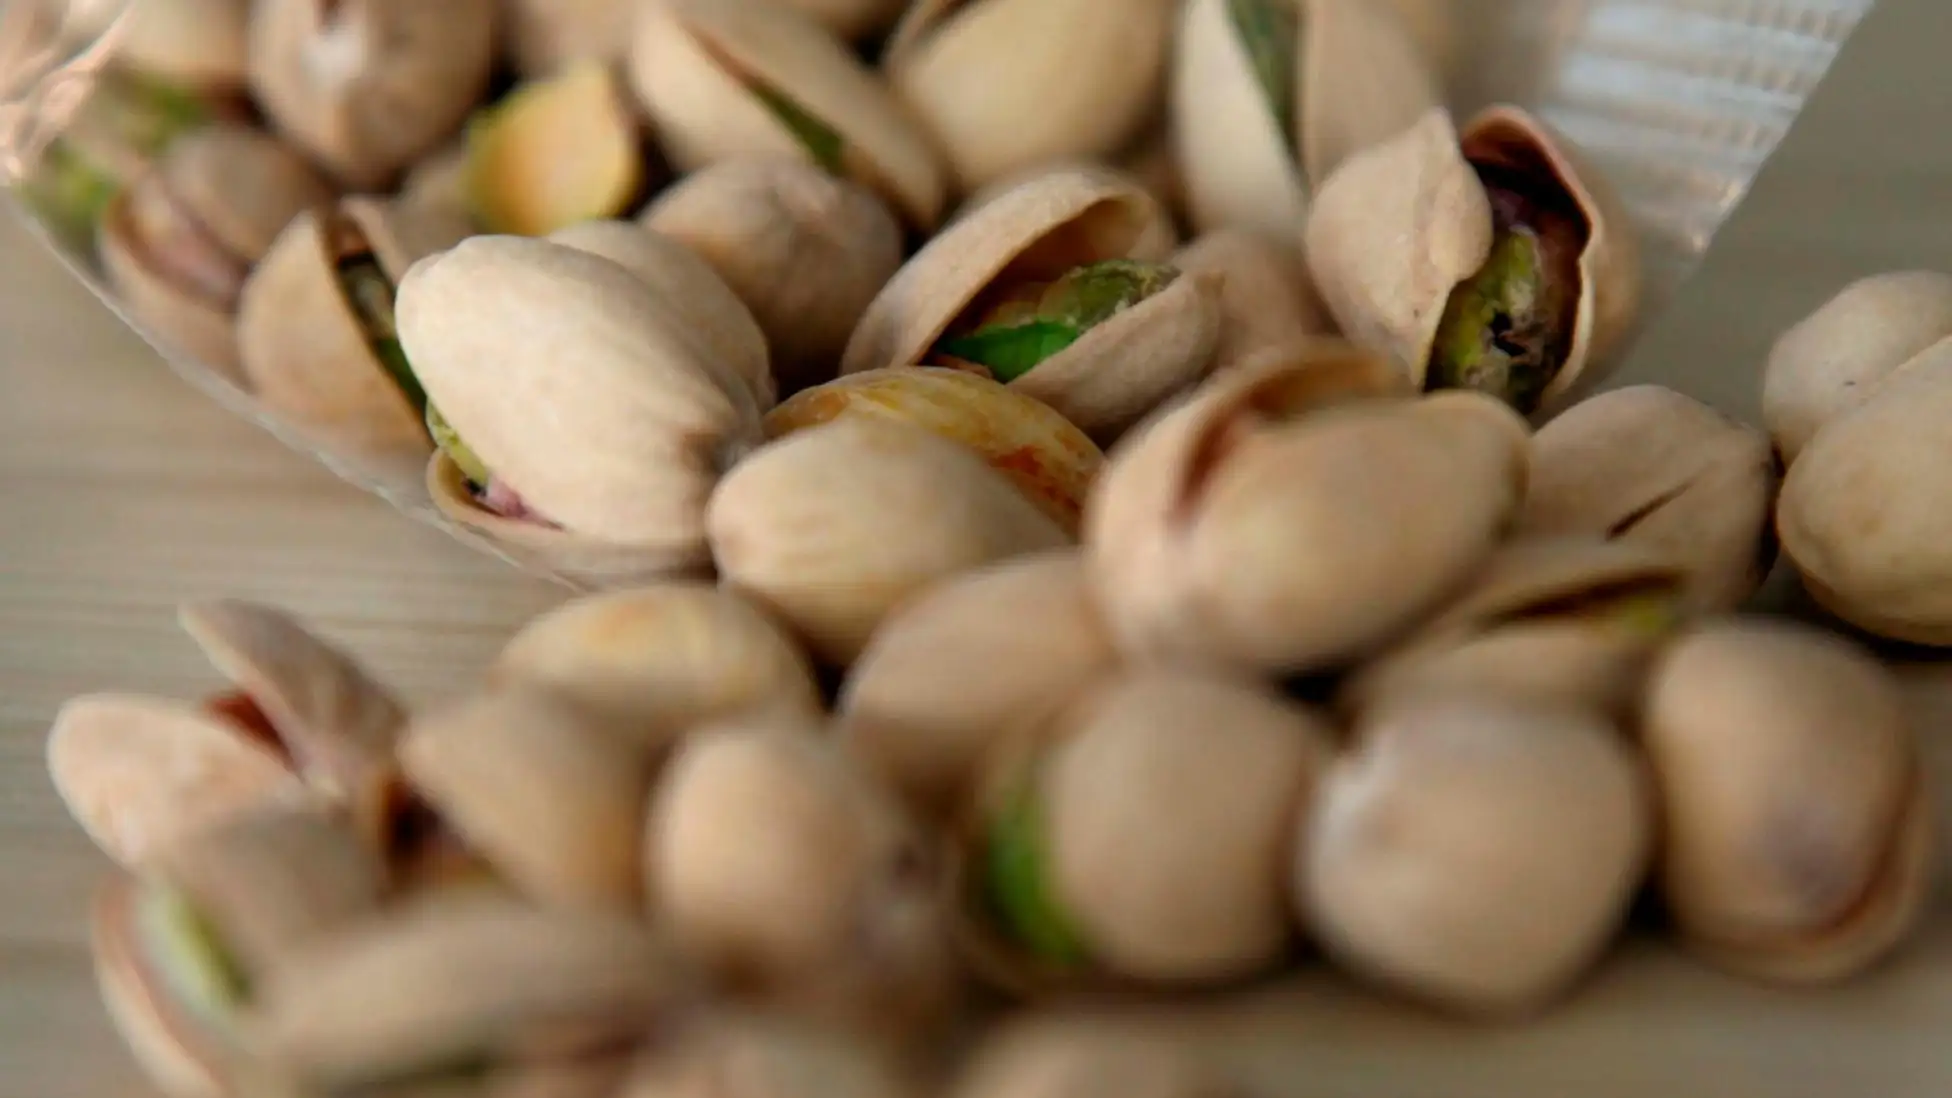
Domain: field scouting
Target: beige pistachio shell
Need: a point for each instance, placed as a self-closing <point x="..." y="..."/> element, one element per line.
<point x="780" y="865"/>
<point x="1866" y="511"/>
<point x="199" y="43"/>
<point x="1222" y="534"/>
<point x="1267" y="300"/>
<point x="440" y="181"/>
<point x="751" y="1055"/>
<point x="960" y="666"/>
<point x="696" y="63"/>
<point x="832" y="527"/>
<point x="1005" y="85"/>
<point x="715" y="316"/>
<point x="852" y="19"/>
<point x="1358" y="80"/>
<point x="1649" y="465"/>
<point x="550" y="795"/>
<point x="1402" y="224"/>
<point x="1832" y="360"/>
<point x="806" y="251"/>
<point x="1156" y="240"/>
<point x="305" y="350"/>
<point x="366" y="87"/>
<point x="1476" y="853"/>
<point x="137" y="773"/>
<point x="660" y="660"/>
<point x="622" y="450"/>
<point x="1064" y="1056"/>
<point x="545" y="36"/>
<point x="177" y="1050"/>
<point x="1797" y="842"/>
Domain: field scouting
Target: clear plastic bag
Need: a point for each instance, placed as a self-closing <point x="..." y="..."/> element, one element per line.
<point x="1679" y="102"/>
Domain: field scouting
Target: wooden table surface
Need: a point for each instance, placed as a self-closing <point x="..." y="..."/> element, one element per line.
<point x="123" y="491"/>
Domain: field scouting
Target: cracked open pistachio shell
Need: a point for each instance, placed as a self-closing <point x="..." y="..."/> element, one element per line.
<point x="604" y="467"/>
<point x="806" y="251"/>
<point x="753" y="1055"/>
<point x="660" y="660"/>
<point x="1476" y="853"/>
<point x="1832" y="360"/>
<point x="1137" y="835"/>
<point x="367" y="87"/>
<point x="1865" y="514"/>
<point x="833" y="526"/>
<point x="1267" y="300"/>
<point x="1279" y="521"/>
<point x="1798" y="845"/>
<point x="1494" y="260"/>
<point x="1066" y="1056"/>
<point x="1649" y="465"/>
<point x="955" y="669"/>
<point x="1568" y="621"/>
<point x="556" y="151"/>
<point x="178" y="245"/>
<point x="472" y="980"/>
<point x="1269" y="97"/>
<point x="303" y="722"/>
<point x="1046" y="455"/>
<point x="1006" y="85"/>
<point x="731" y="79"/>
<point x="315" y="331"/>
<point x="201" y="44"/>
<point x="550" y="795"/>
<point x="778" y="863"/>
<point x="1038" y="287"/>
<point x="547" y="36"/>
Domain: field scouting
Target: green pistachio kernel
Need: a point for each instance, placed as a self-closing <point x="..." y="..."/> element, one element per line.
<point x="69" y="194"/>
<point x="821" y="141"/>
<point x="147" y="114"/>
<point x="1269" y="31"/>
<point x="1017" y="887"/>
<point x="370" y="293"/>
<point x="189" y="953"/>
<point x="1646" y="614"/>
<point x="1037" y="321"/>
<point x="457" y="451"/>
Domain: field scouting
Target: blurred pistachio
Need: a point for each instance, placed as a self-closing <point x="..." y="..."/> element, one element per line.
<point x="554" y="152"/>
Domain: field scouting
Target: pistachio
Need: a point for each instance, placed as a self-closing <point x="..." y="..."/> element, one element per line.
<point x="806" y="251"/>
<point x="200" y="44"/>
<point x="1269" y="97"/>
<point x="768" y="1056"/>
<point x="1007" y="85"/>
<point x="1649" y="465"/>
<point x="367" y="87"/>
<point x="852" y="19"/>
<point x="1475" y="852"/>
<point x="724" y="81"/>
<point x="1046" y="456"/>
<point x="1267" y="301"/>
<point x="1493" y="261"/>
<point x="1797" y="845"/>
<point x="790" y="874"/>
<point x="660" y="660"/>
<point x="179" y="244"/>
<point x="1221" y="534"/>
<point x="162" y="1019"/>
<point x="1073" y="869"/>
<point x="555" y="151"/>
<point x="957" y="667"/>
<point x="833" y="526"/>
<point x="1039" y="287"/>
<point x="548" y="36"/>
<point x="1831" y="361"/>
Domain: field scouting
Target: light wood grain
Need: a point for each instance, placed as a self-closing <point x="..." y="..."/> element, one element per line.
<point x="122" y="491"/>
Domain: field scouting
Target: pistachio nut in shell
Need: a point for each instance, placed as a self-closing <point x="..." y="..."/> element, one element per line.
<point x="659" y="660"/>
<point x="1140" y="833"/>
<point x="178" y="1050"/>
<point x="1797" y="842"/>
<point x="1267" y="300"/>
<point x="1474" y="852"/>
<point x="1864" y="513"/>
<point x="956" y="668"/>
<point x="178" y="245"/>
<point x="1006" y="85"/>
<point x="1649" y="465"/>
<point x="1269" y="97"/>
<point x="1831" y="361"/>
<point x="548" y="36"/>
<point x="555" y="151"/>
<point x="366" y="87"/>
<point x="732" y="79"/>
<point x="852" y="19"/>
<point x="784" y="869"/>
<point x="1253" y="527"/>
<point x="1046" y="455"/>
<point x="1038" y="288"/>
<point x="1492" y="259"/>
<point x="622" y="451"/>
<point x="831" y="527"/>
<point x="202" y="44"/>
<point x="806" y="251"/>
<point x="315" y="330"/>
<point x="767" y="1055"/>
